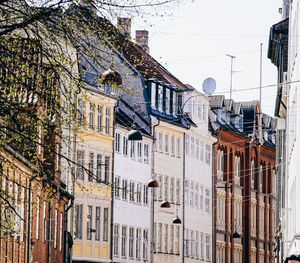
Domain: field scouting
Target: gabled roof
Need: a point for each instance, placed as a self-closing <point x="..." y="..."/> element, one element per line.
<point x="135" y="55"/>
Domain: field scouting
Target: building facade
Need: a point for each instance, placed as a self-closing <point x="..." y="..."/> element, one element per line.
<point x="244" y="182"/>
<point x="198" y="180"/>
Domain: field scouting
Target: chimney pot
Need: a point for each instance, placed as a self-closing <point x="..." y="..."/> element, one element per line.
<point x="124" y="26"/>
<point x="142" y="39"/>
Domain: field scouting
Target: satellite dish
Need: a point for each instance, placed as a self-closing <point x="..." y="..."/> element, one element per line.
<point x="209" y="86"/>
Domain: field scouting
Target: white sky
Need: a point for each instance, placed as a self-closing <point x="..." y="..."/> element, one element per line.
<point x="192" y="44"/>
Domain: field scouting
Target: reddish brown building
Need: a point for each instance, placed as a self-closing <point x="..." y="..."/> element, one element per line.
<point x="244" y="182"/>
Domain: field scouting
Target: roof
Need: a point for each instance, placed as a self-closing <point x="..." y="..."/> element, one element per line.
<point x="216" y="101"/>
<point x="135" y="55"/>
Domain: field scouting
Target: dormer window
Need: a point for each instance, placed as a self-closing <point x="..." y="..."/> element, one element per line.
<point x="160" y="98"/>
<point x="167" y="101"/>
<point x="153" y="95"/>
<point x="238" y="123"/>
<point x="222" y="116"/>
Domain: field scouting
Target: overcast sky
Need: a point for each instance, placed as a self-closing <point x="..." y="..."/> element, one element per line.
<point x="192" y="44"/>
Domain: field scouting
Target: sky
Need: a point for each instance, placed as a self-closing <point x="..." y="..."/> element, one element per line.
<point x="192" y="42"/>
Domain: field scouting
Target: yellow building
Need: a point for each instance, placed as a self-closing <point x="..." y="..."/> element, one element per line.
<point x="93" y="177"/>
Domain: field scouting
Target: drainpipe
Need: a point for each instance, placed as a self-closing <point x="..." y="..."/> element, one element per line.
<point x="112" y="183"/>
<point x="28" y="256"/>
<point x="183" y="196"/>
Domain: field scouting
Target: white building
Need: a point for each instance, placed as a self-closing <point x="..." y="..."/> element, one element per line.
<point x="198" y="180"/>
<point x="131" y="206"/>
<point x="283" y="52"/>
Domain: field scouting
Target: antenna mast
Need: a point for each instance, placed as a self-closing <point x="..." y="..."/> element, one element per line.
<point x="231" y="72"/>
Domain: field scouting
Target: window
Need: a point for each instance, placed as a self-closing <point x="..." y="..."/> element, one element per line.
<point x="116" y="240"/>
<point x="159" y="241"/>
<point x="192" y="146"/>
<point x="274" y="182"/>
<point x="207" y="247"/>
<point x="117" y="187"/>
<point x="186" y="192"/>
<point x="177" y="191"/>
<point x="145" y="195"/>
<point x="81" y="109"/>
<point x="80" y="163"/>
<point x="197" y="245"/>
<point x="205" y="112"/>
<point x="166" y="143"/>
<point x="207" y="200"/>
<point x="252" y="175"/>
<point x="145" y="244"/>
<point x="187" y="145"/>
<point x="138" y="241"/>
<point x="97" y="223"/>
<point x="132" y="149"/>
<point x="37" y="219"/>
<point x="178" y="147"/>
<point x="105" y="224"/>
<point x="160" y="142"/>
<point x="237" y="171"/>
<point x="192" y="194"/>
<point x="160" y="98"/>
<point x="78" y="221"/>
<point x="139" y="193"/>
<point x="118" y="142"/>
<point x="153" y="95"/>
<point x="202" y="246"/>
<point x="166" y="238"/>
<point x="89" y="222"/>
<point x="55" y="228"/>
<point x="160" y="188"/>
<point x="107" y="121"/>
<point x="175" y="104"/>
<point x="124" y="242"/>
<point x="171" y="250"/>
<point x="106" y="172"/>
<point x="197" y="195"/>
<point x="139" y="151"/>
<point x="166" y="187"/>
<point x="125" y="146"/>
<point x="192" y="244"/>
<point x="201" y="197"/>
<point x="131" y="242"/>
<point x="99" y="118"/>
<point x="173" y="145"/>
<point x="167" y="101"/>
<point x="92" y="116"/>
<point x="146" y="153"/>
<point x="60" y="231"/>
<point x="220" y="164"/>
<point x="199" y="106"/>
<point x="45" y="223"/>
<point x="207" y="154"/>
<point x="177" y="240"/>
<point x="124" y="189"/>
<point x="99" y="168"/>
<point x="172" y="188"/>
<point x="131" y="191"/>
<point x="186" y="242"/>
<point x="91" y="167"/>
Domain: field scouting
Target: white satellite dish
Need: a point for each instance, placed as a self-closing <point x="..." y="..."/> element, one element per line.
<point x="209" y="86"/>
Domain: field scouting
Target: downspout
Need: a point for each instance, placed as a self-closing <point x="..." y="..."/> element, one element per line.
<point x="29" y="218"/>
<point x="183" y="196"/>
<point x="213" y="190"/>
<point x="152" y="195"/>
<point x="113" y="183"/>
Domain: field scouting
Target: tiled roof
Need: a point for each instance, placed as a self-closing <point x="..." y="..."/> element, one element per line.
<point x="136" y="56"/>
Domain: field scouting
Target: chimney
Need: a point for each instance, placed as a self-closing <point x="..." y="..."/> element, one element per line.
<point x="141" y="38"/>
<point x="124" y="26"/>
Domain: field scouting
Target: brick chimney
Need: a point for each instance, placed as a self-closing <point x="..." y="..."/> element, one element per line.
<point x="124" y="26"/>
<point x="141" y="38"/>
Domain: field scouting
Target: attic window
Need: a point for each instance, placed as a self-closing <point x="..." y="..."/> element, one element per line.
<point x="111" y="77"/>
